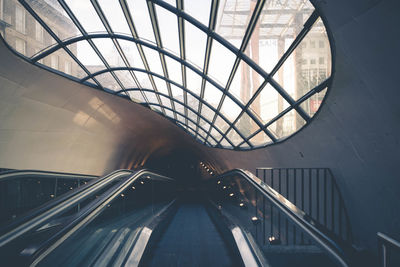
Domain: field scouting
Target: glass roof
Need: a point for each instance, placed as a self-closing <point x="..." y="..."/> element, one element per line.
<point x="235" y="74"/>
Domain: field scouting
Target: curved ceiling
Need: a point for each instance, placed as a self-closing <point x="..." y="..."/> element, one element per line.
<point x="236" y="74"/>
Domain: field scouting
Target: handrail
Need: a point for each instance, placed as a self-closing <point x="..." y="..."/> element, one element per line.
<point x="53" y="208"/>
<point x="299" y="217"/>
<point x="95" y="209"/>
<point x="386" y="241"/>
<point x="13" y="174"/>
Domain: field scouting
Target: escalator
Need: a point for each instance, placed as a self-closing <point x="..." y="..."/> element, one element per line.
<point x="142" y="218"/>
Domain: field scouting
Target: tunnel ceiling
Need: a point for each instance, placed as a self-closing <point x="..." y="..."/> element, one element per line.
<point x="235" y="74"/>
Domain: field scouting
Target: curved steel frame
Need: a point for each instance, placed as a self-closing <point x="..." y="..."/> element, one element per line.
<point x="211" y="36"/>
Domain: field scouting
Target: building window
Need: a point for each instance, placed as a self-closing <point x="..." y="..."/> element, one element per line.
<point x="20" y="19"/>
<point x="54" y="62"/>
<point x="68" y="67"/>
<point x="39" y="32"/>
<point x="312" y="44"/>
<point x="321" y="44"/>
<point x="20" y="46"/>
<point x="321" y="60"/>
<point x="312" y="61"/>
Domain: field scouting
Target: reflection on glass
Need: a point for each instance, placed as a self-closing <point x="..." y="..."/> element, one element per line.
<point x="179" y="108"/>
<point x="287" y="125"/>
<point x="309" y="64"/>
<point x="246" y="125"/>
<point x="192" y="102"/>
<point x="109" y="52"/>
<point x="215" y="133"/>
<point x="137" y="96"/>
<point x="221" y="124"/>
<point x="312" y="104"/>
<point x="260" y="139"/>
<point x="177" y="93"/>
<point x="207" y="113"/>
<point x="165" y="101"/>
<point x="108" y="81"/>
<point x="151" y="97"/>
<point x="234" y="137"/>
<point x="161" y="85"/>
<point x="225" y="143"/>
<point x="61" y="61"/>
<point x="126" y="78"/>
<point x="131" y="53"/>
<point x="169" y="113"/>
<point x="143" y="79"/>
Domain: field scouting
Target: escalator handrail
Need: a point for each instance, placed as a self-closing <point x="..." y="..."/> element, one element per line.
<point x="56" y="206"/>
<point x="94" y="209"/>
<point x="299" y="217"/>
<point x="15" y="174"/>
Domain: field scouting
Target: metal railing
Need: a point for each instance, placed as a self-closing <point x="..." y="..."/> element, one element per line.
<point x="387" y="246"/>
<point x="314" y="191"/>
<point x="45" y="212"/>
<point x="269" y="203"/>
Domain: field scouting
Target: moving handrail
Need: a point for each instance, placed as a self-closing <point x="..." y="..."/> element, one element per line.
<point x="95" y="209"/>
<point x="299" y="217"/>
<point x="15" y="174"/>
<point x="57" y="206"/>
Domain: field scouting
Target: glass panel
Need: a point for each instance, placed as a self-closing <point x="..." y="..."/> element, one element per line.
<point x="115" y="16"/>
<point x="143" y="79"/>
<point x="225" y="143"/>
<point x="169" y="113"/>
<point x="192" y="102"/>
<point x="230" y="109"/>
<point x="312" y="104"/>
<point x="192" y="116"/>
<point x="137" y="96"/>
<point x="287" y="125"/>
<point x="204" y="124"/>
<point x="86" y="15"/>
<point x="86" y="55"/>
<point x="221" y="124"/>
<point x="109" y="52"/>
<point x="199" y="10"/>
<point x="234" y="137"/>
<point x="260" y="139"/>
<point x="181" y="119"/>
<point x="212" y="95"/>
<point x="202" y="133"/>
<point x="233" y="18"/>
<point x="156" y="108"/>
<point x="221" y="62"/>
<point x="174" y="70"/>
<point x="308" y="65"/>
<point x="153" y="59"/>
<point x="64" y="64"/>
<point x="161" y="85"/>
<point x="126" y="79"/>
<point x="168" y="24"/>
<point x="191" y="131"/>
<point x="192" y="127"/>
<point x="132" y="54"/>
<point x="207" y="113"/>
<point x="279" y="21"/>
<point x="212" y="142"/>
<point x="108" y="81"/>
<point x="193" y="81"/>
<point x="246" y="125"/>
<point x="245" y="82"/>
<point x="141" y="19"/>
<point x="151" y="97"/>
<point x="177" y="93"/>
<point x="179" y="108"/>
<point x="195" y="45"/>
<point x="268" y="104"/>
<point x="165" y="101"/>
<point x="215" y="133"/>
